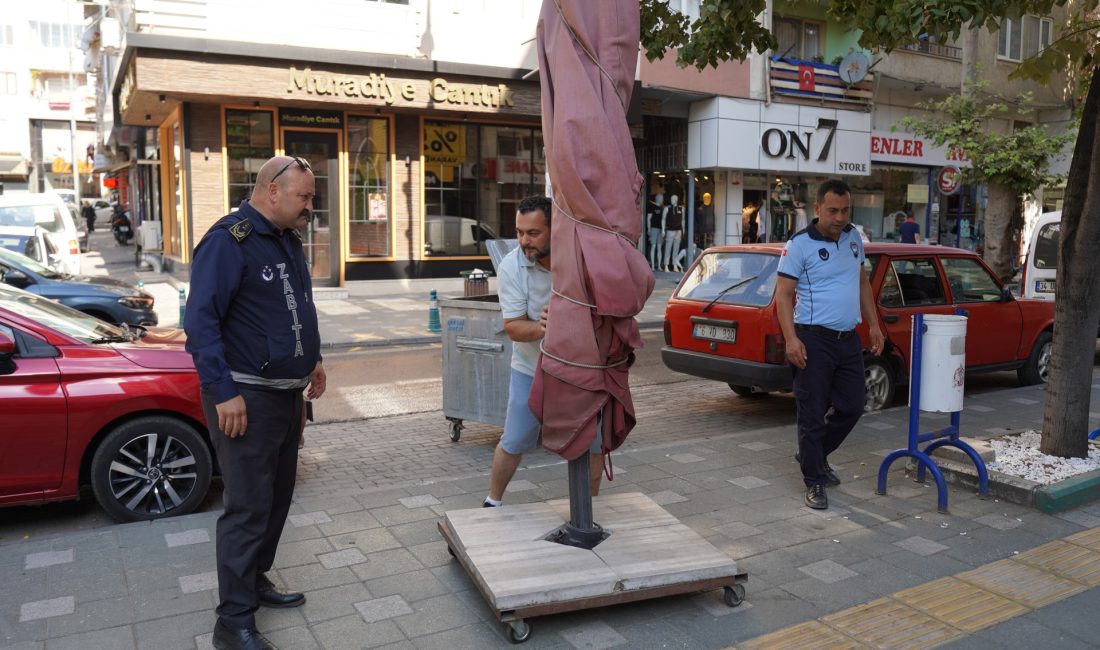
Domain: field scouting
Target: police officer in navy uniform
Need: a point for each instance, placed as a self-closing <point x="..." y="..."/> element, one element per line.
<point x="252" y="330"/>
<point x="823" y="266"/>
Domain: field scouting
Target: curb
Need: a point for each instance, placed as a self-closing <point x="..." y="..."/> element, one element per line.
<point x="1057" y="497"/>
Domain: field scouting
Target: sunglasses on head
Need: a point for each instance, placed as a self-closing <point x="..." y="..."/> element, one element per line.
<point x="300" y="162"/>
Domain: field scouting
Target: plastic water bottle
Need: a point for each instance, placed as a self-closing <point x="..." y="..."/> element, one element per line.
<point x="183" y="304"/>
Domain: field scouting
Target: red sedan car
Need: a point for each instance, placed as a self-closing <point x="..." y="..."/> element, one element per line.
<point x="721" y="322"/>
<point x="85" y="402"/>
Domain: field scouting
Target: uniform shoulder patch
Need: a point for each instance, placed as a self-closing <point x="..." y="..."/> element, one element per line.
<point x="241" y="229"/>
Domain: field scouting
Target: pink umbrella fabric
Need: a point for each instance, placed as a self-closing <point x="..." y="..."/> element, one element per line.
<point x="588" y="52"/>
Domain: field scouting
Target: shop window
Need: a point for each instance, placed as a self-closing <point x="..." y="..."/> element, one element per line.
<point x="474" y="177"/>
<point x="369" y="216"/>
<point x="1023" y="38"/>
<point x="798" y="39"/>
<point x="249" y="143"/>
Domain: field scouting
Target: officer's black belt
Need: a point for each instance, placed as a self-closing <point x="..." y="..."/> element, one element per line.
<point x="833" y="334"/>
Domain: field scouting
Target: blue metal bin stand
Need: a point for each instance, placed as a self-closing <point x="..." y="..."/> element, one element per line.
<point x="940" y="438"/>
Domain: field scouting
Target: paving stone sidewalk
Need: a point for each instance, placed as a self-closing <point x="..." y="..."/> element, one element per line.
<point x="362" y="540"/>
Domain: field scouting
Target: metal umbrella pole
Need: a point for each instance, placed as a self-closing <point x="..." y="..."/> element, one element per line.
<point x="580" y="531"/>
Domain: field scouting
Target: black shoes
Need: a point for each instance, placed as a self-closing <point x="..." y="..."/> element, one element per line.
<point x="486" y="504"/>
<point x="816" y="497"/>
<point x="269" y="596"/>
<point x="226" y="638"/>
<point x="831" y="478"/>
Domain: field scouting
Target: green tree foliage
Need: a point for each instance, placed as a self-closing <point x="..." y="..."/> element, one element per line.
<point x="1019" y="159"/>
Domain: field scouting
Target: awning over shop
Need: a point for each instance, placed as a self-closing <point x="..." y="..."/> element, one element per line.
<point x="12" y="166"/>
<point x="107" y="168"/>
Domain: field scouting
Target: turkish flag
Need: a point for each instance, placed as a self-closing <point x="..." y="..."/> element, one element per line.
<point x="806" y="78"/>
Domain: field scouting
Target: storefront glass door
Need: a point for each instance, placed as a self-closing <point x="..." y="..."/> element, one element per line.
<point x="321" y="238"/>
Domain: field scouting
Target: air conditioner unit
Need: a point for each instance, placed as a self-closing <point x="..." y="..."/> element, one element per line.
<point x="150" y="235"/>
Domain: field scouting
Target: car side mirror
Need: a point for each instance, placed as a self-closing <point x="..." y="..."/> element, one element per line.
<point x="17" y="279"/>
<point x="1006" y="295"/>
<point x="7" y="346"/>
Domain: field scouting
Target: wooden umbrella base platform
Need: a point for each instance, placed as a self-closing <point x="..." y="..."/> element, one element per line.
<point x="648" y="554"/>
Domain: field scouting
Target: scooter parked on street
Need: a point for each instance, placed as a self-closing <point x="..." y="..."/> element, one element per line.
<point x="122" y="228"/>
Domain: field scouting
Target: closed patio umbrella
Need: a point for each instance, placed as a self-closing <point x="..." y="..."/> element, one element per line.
<point x="588" y="53"/>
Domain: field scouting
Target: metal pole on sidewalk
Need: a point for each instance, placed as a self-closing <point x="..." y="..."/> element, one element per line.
<point x="580" y="531"/>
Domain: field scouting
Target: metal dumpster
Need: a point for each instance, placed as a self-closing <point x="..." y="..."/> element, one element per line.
<point x="477" y="355"/>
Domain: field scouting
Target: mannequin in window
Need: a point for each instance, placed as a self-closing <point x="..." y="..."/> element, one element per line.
<point x="672" y="223"/>
<point x="704" y="223"/>
<point x="656" y="232"/>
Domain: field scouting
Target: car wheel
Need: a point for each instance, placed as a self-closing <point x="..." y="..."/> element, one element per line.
<point x="747" y="391"/>
<point x="149" y="468"/>
<point x="879" y="384"/>
<point x="1037" y="368"/>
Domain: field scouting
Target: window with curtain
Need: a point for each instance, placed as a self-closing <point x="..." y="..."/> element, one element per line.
<point x="1023" y="38"/>
<point x="474" y="177"/>
<point x="798" y="38"/>
<point x="369" y="214"/>
<point x="249" y="143"/>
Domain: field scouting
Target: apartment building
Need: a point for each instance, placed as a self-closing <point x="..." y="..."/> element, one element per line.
<point x="421" y="121"/>
<point x="46" y="119"/>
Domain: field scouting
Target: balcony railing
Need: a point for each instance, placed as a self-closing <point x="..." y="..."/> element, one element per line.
<point x="935" y="49"/>
<point x="818" y="81"/>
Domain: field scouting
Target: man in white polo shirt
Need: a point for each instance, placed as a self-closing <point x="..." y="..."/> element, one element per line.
<point x="524" y="302"/>
<point x="823" y="266"/>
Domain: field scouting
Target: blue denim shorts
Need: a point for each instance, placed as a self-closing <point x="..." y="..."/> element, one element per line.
<point x="521" y="427"/>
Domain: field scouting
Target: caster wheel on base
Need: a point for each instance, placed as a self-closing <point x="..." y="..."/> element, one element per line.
<point x="519" y="631"/>
<point x="734" y="595"/>
<point x="455" y="430"/>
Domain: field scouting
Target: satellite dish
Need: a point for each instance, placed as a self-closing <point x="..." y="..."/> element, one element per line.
<point x="853" y="68"/>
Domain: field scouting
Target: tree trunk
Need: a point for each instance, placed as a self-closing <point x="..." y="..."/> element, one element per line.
<point x="997" y="251"/>
<point x="1077" y="308"/>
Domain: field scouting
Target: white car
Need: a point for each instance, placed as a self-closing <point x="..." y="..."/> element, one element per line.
<point x="31" y="241"/>
<point x="1041" y="264"/>
<point x="50" y="213"/>
<point x="104" y="212"/>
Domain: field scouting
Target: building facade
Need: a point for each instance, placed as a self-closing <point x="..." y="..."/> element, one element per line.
<point x="421" y="120"/>
<point x="46" y="126"/>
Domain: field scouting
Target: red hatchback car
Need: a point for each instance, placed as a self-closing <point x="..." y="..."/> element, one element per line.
<point x="721" y="321"/>
<point x="85" y="402"/>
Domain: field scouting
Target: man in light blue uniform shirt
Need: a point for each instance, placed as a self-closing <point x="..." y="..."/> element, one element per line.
<point x="822" y="266"/>
<point x="524" y="299"/>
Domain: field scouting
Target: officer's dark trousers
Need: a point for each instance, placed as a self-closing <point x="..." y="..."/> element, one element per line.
<point x="829" y="395"/>
<point x="258" y="471"/>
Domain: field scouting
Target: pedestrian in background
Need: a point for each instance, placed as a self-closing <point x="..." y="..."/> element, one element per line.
<point x="823" y="266"/>
<point x="252" y="330"/>
<point x="524" y="302"/>
<point x="909" y="230"/>
<point x="88" y="212"/>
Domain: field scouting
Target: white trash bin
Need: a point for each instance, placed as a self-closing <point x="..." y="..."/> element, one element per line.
<point x="943" y="363"/>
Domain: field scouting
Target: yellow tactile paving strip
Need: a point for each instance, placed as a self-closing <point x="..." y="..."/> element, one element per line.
<point x="929" y="615"/>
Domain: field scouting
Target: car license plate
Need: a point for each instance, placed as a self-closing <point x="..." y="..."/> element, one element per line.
<point x="124" y="228"/>
<point x="714" y="333"/>
<point x="1044" y="286"/>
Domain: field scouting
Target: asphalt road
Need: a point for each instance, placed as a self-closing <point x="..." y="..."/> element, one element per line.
<point x="388" y="381"/>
